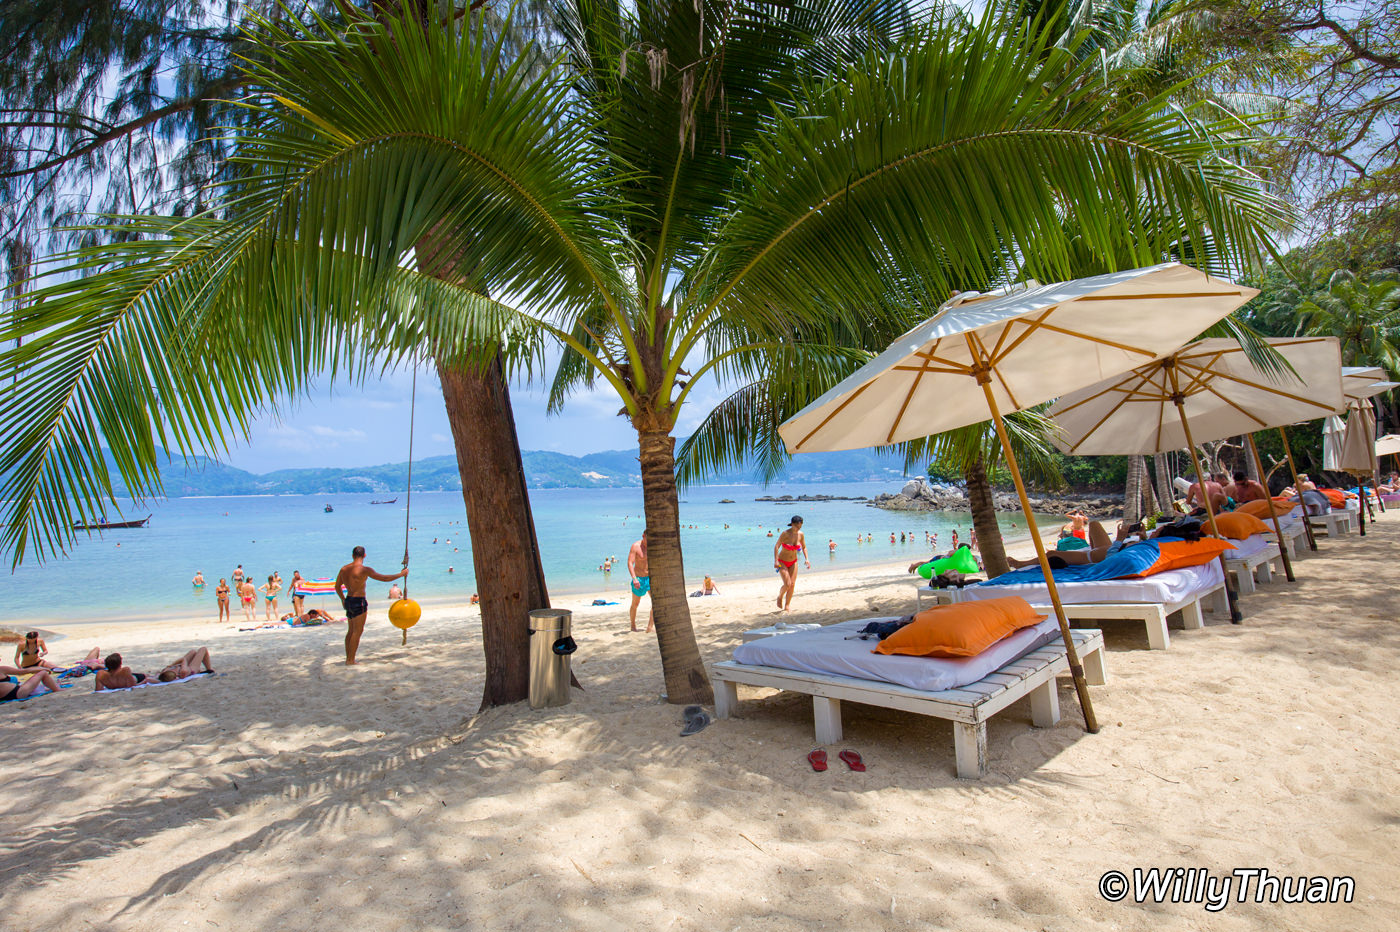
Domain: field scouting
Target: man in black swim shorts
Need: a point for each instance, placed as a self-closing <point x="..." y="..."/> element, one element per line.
<point x="350" y="586"/>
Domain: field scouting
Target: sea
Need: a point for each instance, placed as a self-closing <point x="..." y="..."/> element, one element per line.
<point x="145" y="573"/>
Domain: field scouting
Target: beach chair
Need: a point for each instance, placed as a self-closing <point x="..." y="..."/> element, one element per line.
<point x="1256" y="554"/>
<point x="968" y="707"/>
<point x="1152" y="600"/>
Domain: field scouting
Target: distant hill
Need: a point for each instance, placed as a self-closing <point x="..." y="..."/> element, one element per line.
<point x="543" y="470"/>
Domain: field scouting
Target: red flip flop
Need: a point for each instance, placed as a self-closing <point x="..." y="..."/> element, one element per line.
<point x="817" y="759"/>
<point x="852" y="760"/>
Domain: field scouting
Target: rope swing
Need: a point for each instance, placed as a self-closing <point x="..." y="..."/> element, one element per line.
<point x="404" y="613"/>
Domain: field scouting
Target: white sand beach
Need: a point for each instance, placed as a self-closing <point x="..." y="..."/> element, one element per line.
<point x="291" y="792"/>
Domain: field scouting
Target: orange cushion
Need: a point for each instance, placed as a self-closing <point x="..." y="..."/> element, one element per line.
<point x="1337" y="497"/>
<point x="1178" y="553"/>
<point x="1262" y="509"/>
<point x="962" y="630"/>
<point x="1237" y="525"/>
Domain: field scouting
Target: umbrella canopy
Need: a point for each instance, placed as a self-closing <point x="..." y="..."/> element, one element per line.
<point x="1359" y="440"/>
<point x="1223" y="394"/>
<point x="1354" y="390"/>
<point x="980" y="356"/>
<point x="1334" y="430"/>
<point x="1029" y="346"/>
<point x="1389" y="445"/>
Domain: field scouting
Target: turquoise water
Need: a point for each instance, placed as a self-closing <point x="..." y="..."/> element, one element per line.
<point x="143" y="573"/>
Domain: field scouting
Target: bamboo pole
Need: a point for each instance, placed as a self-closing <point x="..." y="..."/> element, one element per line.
<point x="1179" y="400"/>
<point x="1278" y="529"/>
<point x="1293" y="471"/>
<point x="1076" y="669"/>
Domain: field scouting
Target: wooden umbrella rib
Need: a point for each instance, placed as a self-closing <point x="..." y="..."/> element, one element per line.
<point x="1115" y="387"/>
<point x="1125" y="347"/>
<point x="1275" y="391"/>
<point x="908" y="397"/>
<point x="1091" y="431"/>
<point x="1238" y="407"/>
<point x="997" y="354"/>
<point x="951" y="369"/>
<point x="1159" y="297"/>
<point x="839" y="408"/>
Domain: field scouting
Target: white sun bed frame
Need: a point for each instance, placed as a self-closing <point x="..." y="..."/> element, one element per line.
<point x="1265" y="562"/>
<point x="1152" y="614"/>
<point x="1335" y="523"/>
<point x="967" y="707"/>
<point x="1292" y="534"/>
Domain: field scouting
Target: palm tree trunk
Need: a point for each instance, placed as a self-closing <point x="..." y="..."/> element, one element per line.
<point x="984" y="518"/>
<point x="1165" y="493"/>
<point x="1149" y="494"/>
<point x="684" y="672"/>
<point x="505" y="555"/>
<point x="1132" y="491"/>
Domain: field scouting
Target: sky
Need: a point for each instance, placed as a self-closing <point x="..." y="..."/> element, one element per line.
<point x="367" y="425"/>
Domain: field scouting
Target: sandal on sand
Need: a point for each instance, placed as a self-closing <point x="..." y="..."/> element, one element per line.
<point x="817" y="759"/>
<point x="852" y="760"/>
<point x="696" y="719"/>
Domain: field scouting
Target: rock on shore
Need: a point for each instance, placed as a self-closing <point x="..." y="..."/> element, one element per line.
<point x="920" y="495"/>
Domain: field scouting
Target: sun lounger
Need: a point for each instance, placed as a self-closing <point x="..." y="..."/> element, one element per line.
<point x="969" y="706"/>
<point x="1335" y="523"/>
<point x="1151" y="600"/>
<point x="1254" y="554"/>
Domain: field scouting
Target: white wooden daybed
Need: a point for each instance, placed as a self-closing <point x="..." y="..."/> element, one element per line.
<point x="1335" y="523"/>
<point x="968" y="707"/>
<point x="1257" y="553"/>
<point x="1151" y="600"/>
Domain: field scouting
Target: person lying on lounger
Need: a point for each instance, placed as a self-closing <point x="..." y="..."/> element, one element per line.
<point x="1100" y="545"/>
<point x="196" y="661"/>
<point x="13" y="692"/>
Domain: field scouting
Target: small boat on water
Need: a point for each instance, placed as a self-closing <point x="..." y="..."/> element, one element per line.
<point x="105" y="525"/>
<point x="389" y="501"/>
<point x="329" y="509"/>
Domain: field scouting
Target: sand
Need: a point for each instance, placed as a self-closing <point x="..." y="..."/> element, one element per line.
<point x="294" y="793"/>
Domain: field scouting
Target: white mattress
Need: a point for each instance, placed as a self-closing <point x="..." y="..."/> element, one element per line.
<point x="1169" y="587"/>
<point x="1249" y="547"/>
<point x="826" y="650"/>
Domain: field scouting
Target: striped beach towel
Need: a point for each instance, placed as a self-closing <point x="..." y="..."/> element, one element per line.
<point x="323" y="586"/>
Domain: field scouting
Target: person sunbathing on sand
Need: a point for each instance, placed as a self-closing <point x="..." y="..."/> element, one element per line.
<point x="13" y="692"/>
<point x="188" y="665"/>
<point x="116" y="676"/>
<point x="31" y="651"/>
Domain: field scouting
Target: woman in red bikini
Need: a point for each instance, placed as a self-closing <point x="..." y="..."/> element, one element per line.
<point x="785" y="550"/>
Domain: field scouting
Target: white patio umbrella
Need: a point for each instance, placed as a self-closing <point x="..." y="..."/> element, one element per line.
<point x="1389" y="445"/>
<point x="1207" y="390"/>
<point x="983" y="355"/>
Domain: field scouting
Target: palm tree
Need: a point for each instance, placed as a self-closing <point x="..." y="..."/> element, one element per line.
<point x="724" y="188"/>
<point x="1362" y="312"/>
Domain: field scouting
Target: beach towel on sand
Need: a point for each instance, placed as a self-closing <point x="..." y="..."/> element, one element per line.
<point x="152" y="681"/>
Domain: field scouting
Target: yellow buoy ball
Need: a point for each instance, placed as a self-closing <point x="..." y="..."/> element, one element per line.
<point x="404" y="614"/>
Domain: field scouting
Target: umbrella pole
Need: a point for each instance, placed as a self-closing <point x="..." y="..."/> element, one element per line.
<point x="1293" y="470"/>
<point x="1361" y="503"/>
<point x="1076" y="669"/>
<point x="1278" y="529"/>
<point x="1179" y="400"/>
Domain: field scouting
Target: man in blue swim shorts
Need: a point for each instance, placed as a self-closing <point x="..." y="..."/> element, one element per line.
<point x="641" y="579"/>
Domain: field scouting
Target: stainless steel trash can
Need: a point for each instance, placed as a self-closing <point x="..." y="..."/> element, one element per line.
<point x="550" y="650"/>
